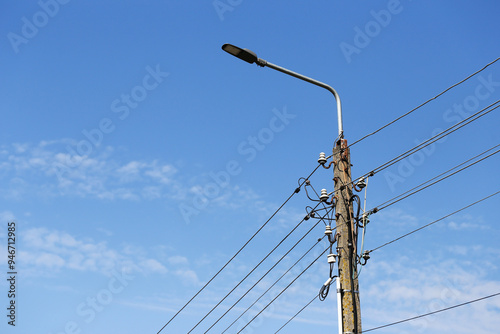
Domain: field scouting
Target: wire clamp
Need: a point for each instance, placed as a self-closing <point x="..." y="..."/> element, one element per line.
<point x="349" y="291"/>
<point x="365" y="217"/>
<point x="365" y="256"/>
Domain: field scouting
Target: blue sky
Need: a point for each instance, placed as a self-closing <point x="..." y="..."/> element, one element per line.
<point x="136" y="157"/>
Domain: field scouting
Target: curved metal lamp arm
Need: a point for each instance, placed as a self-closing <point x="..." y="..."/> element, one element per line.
<point x="250" y="57"/>
<point x="262" y="63"/>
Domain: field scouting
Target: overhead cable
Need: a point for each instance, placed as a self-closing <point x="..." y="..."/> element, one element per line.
<point x="435" y="221"/>
<point x="397" y="322"/>
<point x="238" y="252"/>
<point x="435" y="138"/>
<point x="423" y="104"/>
<point x="247" y="275"/>
<point x="260" y="279"/>
<point x="434" y="312"/>
<point x="412" y="191"/>
<point x="272" y="285"/>
<point x="296" y="314"/>
<point x="281" y="292"/>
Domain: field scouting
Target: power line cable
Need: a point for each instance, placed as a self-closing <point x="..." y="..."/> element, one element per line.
<point x="302" y="309"/>
<point x="247" y="275"/>
<point x="272" y="285"/>
<point x="308" y="184"/>
<point x="449" y="170"/>
<point x="408" y="193"/>
<point x="398" y="322"/>
<point x="434" y="312"/>
<point x="423" y="104"/>
<point x="238" y="252"/>
<point x="429" y="141"/>
<point x="435" y="138"/>
<point x="435" y="221"/>
<point x="265" y="307"/>
<point x="259" y="280"/>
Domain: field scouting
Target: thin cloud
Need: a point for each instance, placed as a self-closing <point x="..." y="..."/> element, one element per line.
<point x="47" y="169"/>
<point x="48" y="251"/>
<point x="412" y="290"/>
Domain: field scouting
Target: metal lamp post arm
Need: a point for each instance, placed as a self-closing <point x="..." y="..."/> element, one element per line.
<point x="262" y="63"/>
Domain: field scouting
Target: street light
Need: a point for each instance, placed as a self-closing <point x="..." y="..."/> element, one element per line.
<point x="347" y="282"/>
<point x="250" y="57"/>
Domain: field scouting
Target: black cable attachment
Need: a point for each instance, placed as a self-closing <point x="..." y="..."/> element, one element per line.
<point x="364" y="257"/>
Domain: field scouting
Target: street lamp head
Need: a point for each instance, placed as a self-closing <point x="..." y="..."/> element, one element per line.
<point x="243" y="54"/>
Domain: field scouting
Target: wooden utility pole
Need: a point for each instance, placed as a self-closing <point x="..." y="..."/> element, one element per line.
<point x="346" y="239"/>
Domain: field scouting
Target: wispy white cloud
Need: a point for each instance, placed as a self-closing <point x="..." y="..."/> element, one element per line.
<point x="408" y="290"/>
<point x="404" y="284"/>
<point x="188" y="276"/>
<point x="397" y="218"/>
<point x="177" y="259"/>
<point x="152" y="265"/>
<point x="47" y="251"/>
<point x="48" y="169"/>
<point x="467" y="222"/>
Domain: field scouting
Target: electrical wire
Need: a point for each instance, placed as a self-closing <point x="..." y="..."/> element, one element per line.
<point x="435" y="138"/>
<point x="296" y="314"/>
<point x="423" y="104"/>
<point x="265" y="307"/>
<point x="435" y="221"/>
<point x="324" y="203"/>
<point x="302" y="309"/>
<point x="433" y="183"/>
<point x="428" y="142"/>
<point x="405" y="235"/>
<point x="247" y="275"/>
<point x="325" y="288"/>
<point x="238" y="252"/>
<point x="398" y="322"/>
<point x="308" y="184"/>
<point x="434" y="312"/>
<point x="272" y="285"/>
<point x="409" y="192"/>
<point x="260" y="279"/>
